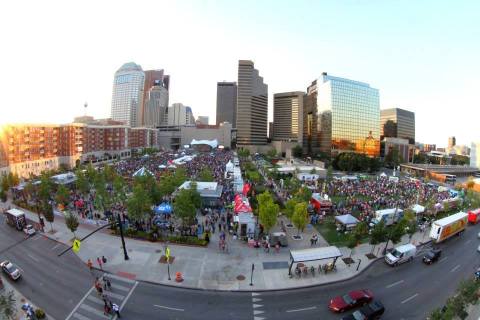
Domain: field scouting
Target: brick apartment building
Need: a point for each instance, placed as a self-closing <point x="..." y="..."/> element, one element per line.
<point x="32" y="148"/>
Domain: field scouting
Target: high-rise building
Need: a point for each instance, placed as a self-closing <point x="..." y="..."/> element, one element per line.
<point x="226" y="102"/>
<point x="155" y="106"/>
<point x="252" y="106"/>
<point x="287" y="116"/>
<point x="127" y="94"/>
<point x="475" y="155"/>
<point x="153" y="79"/>
<point x="202" y="120"/>
<point x="452" y="142"/>
<point x="397" y="123"/>
<point x="180" y="115"/>
<point x="341" y="115"/>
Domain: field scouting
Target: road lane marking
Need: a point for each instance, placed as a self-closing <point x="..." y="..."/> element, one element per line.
<point x="33" y="258"/>
<point x="408" y="299"/>
<point x="394" y="284"/>
<point x="455" y="268"/>
<point x="115" y="317"/>
<point x="119" y="287"/>
<point x="443" y="259"/>
<point x="168" y="308"/>
<point x="256" y="300"/>
<point x="302" y="309"/>
<point x="81" y="301"/>
<point x="468" y="241"/>
<point x="94" y="311"/>
<point x="55" y="246"/>
<point x="254" y="294"/>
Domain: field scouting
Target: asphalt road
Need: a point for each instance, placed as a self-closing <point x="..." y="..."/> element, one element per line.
<point x="409" y="291"/>
<point x="52" y="283"/>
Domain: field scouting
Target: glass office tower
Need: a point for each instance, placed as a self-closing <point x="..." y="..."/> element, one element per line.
<point x="342" y="115"/>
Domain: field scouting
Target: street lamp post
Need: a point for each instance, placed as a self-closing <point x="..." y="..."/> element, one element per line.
<point x="121" y="236"/>
<point x="251" y="275"/>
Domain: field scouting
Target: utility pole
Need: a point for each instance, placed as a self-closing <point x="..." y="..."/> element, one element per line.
<point x="251" y="276"/>
<point x="121" y="236"/>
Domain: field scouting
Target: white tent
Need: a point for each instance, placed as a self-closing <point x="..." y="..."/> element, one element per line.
<point x="418" y="208"/>
<point x="142" y="172"/>
<point x="347" y="219"/>
<point x="162" y="166"/>
<point x="229" y="166"/>
<point x="211" y="143"/>
<point x="383" y="175"/>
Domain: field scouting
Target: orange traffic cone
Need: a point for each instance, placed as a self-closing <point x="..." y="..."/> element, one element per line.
<point x="178" y="277"/>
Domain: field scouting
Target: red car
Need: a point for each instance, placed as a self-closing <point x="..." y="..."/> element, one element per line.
<point x="350" y="300"/>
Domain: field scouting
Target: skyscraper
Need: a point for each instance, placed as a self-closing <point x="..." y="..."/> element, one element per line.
<point x="451" y="142"/>
<point x="252" y="106"/>
<point x="475" y="154"/>
<point x="127" y="94"/>
<point x="153" y="78"/>
<point x="180" y="115"/>
<point x="341" y="115"/>
<point x="287" y="116"/>
<point x="155" y="106"/>
<point x="227" y="102"/>
<point x="397" y="123"/>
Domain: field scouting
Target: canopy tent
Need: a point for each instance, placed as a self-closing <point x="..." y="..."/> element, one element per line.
<point x="418" y="208"/>
<point x="229" y="166"/>
<point x="383" y="175"/>
<point x="347" y="220"/>
<point x="162" y="166"/>
<point x="142" y="172"/>
<point x="212" y="143"/>
<point x="313" y="254"/>
<point x="163" y="208"/>
<point x="171" y="166"/>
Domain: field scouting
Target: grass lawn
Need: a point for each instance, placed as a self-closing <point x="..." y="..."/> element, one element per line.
<point x="328" y="230"/>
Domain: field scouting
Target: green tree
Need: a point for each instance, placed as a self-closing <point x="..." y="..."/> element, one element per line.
<point x="272" y="153"/>
<point x="180" y="176"/>
<point x="410" y="222"/>
<point x="351" y="243"/>
<point x="290" y="207"/>
<point x="378" y="235"/>
<point x="13" y="179"/>
<point x="300" y="217"/>
<point x="243" y="153"/>
<point x="267" y="210"/>
<point x="91" y="173"/>
<point x="195" y="197"/>
<point x="329" y="173"/>
<point x="47" y="211"/>
<point x="297" y="151"/>
<point x="184" y="208"/>
<point x="82" y="183"/>
<point x="45" y="188"/>
<point x="3" y="195"/>
<point x="119" y="189"/>
<point x="109" y="173"/>
<point x="166" y="185"/>
<point x="4" y="185"/>
<point x="71" y="220"/>
<point x="139" y="204"/>
<point x="206" y="175"/>
<point x="304" y="194"/>
<point x="62" y="196"/>
<point x="8" y="306"/>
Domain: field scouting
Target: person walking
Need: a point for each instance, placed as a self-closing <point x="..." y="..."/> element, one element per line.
<point x="116" y="309"/>
<point x="99" y="263"/>
<point x="90" y="264"/>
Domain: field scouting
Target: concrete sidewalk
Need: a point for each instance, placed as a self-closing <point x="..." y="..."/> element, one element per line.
<point x="209" y="267"/>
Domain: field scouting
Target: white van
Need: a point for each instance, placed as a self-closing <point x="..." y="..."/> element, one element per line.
<point x="401" y="254"/>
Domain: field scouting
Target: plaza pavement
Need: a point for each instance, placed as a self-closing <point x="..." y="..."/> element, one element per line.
<point x="209" y="267"/>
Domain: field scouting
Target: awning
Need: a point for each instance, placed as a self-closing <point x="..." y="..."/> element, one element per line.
<point x="418" y="208"/>
<point x="315" y="254"/>
<point x="347" y="219"/>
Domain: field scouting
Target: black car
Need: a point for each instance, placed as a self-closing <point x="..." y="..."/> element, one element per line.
<point x="371" y="311"/>
<point x="432" y="256"/>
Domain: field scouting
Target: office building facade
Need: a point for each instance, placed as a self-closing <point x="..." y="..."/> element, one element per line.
<point x="180" y="115"/>
<point x="341" y="115"/>
<point x="252" y="105"/>
<point x="127" y="96"/>
<point x="202" y="120"/>
<point x="397" y="123"/>
<point x="154" y="79"/>
<point x="287" y="116"/>
<point x="226" y="103"/>
<point x="156" y="107"/>
<point x="452" y="142"/>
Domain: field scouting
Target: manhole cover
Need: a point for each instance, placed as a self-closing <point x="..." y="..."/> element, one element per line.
<point x="241" y="277"/>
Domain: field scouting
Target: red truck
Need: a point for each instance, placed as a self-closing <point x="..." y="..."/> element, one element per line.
<point x="474" y="216"/>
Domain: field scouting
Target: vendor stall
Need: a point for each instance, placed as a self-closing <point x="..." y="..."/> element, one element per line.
<point x="346" y="222"/>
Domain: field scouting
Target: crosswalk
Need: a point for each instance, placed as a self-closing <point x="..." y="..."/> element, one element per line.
<point x="91" y="305"/>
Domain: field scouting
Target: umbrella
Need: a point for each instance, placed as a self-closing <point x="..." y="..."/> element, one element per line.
<point x="163" y="208"/>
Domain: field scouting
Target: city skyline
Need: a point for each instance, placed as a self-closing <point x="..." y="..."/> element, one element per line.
<point x="410" y="55"/>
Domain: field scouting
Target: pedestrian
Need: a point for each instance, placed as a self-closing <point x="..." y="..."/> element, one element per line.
<point x="90" y="264"/>
<point x="116" y="309"/>
<point x="104" y="260"/>
<point x="106" y="309"/>
<point x="99" y="263"/>
<point x="277" y="247"/>
<point x="109" y="285"/>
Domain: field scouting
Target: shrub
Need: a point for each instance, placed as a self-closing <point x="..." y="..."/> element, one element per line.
<point x="40" y="314"/>
<point x="187" y="240"/>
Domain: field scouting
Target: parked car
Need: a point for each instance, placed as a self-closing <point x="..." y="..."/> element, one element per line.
<point x="29" y="230"/>
<point x="432" y="256"/>
<point x="350" y="300"/>
<point x="373" y="310"/>
<point x="11" y="270"/>
<point x="401" y="254"/>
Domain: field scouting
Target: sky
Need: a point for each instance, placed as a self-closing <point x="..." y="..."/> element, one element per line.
<point x="423" y="56"/>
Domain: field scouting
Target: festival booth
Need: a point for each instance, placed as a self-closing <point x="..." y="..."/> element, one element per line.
<point x="229" y="169"/>
<point x="346" y="222"/>
<point x="244" y="217"/>
<point x="418" y="209"/>
<point x="163" y="208"/>
<point x="210" y="192"/>
<point x="64" y="178"/>
<point x="162" y="214"/>
<point x="321" y="203"/>
<point x="204" y="145"/>
<point x="237" y="180"/>
<point x="142" y="172"/>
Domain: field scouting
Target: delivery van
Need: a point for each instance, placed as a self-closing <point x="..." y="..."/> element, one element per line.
<point x="401" y="254"/>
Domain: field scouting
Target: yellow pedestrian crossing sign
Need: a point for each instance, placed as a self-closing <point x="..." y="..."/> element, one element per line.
<point x="167" y="253"/>
<point x="76" y="245"/>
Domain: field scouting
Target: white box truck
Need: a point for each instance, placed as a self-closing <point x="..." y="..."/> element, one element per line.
<point x="388" y="216"/>
<point x="449" y="226"/>
<point x="401" y="254"/>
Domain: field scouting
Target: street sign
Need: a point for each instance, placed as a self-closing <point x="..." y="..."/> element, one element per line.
<point x="76" y="245"/>
<point x="167" y="253"/>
